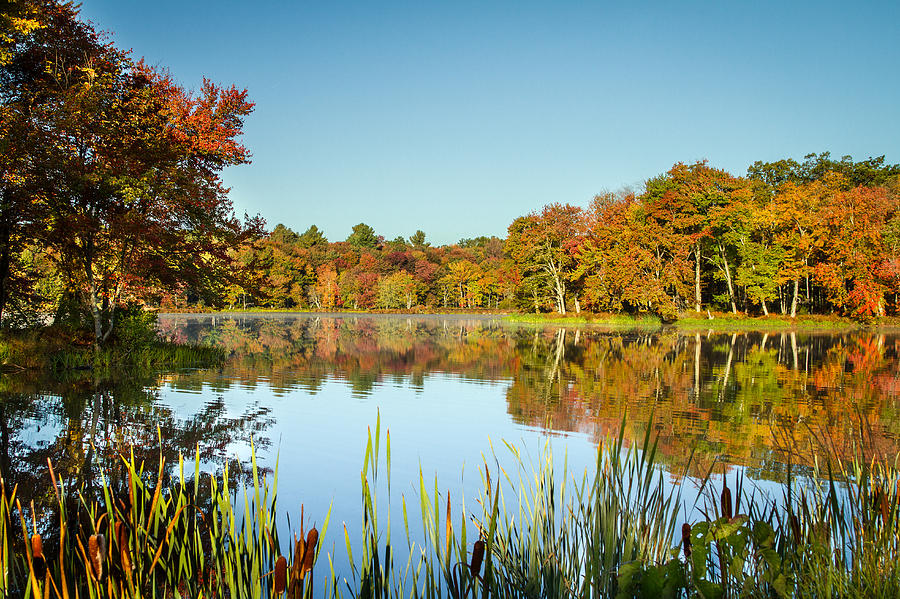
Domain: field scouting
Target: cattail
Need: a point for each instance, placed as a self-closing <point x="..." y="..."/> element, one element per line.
<point x="795" y="527"/>
<point x="37" y="557"/>
<point x="449" y="528"/>
<point x="726" y="502"/>
<point x="686" y="539"/>
<point x="96" y="555"/>
<point x="297" y="567"/>
<point x="477" y="558"/>
<point x="312" y="539"/>
<point x="280" y="575"/>
<point x="122" y="541"/>
<point x="885" y="509"/>
<point x="37" y="546"/>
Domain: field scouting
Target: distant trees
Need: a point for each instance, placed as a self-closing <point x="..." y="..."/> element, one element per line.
<point x="790" y="237"/>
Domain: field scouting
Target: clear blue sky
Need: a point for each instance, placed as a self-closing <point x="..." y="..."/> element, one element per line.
<point x="457" y="117"/>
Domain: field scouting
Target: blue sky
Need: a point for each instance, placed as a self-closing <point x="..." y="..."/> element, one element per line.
<point x="455" y="118"/>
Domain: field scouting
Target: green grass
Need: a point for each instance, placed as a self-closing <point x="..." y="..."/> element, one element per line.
<point x="644" y="322"/>
<point x="58" y="351"/>
<point x="693" y="321"/>
<point x="730" y="322"/>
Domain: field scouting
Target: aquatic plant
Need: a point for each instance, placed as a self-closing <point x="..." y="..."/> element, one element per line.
<point x="537" y="531"/>
<point x="141" y="537"/>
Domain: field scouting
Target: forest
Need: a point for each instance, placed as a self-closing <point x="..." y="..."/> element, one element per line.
<point x="111" y="196"/>
<point x="817" y="236"/>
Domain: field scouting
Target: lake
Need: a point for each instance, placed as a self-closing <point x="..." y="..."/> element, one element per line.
<point x="304" y="389"/>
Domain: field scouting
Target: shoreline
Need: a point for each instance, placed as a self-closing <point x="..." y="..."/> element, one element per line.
<point x="692" y="323"/>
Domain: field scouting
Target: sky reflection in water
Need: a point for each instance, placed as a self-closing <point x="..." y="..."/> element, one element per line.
<point x="305" y="388"/>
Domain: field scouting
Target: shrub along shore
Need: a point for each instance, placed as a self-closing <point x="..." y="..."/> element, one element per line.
<point x="58" y="349"/>
<point x="535" y="532"/>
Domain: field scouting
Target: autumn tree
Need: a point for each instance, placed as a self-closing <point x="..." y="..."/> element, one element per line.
<point x="398" y="290"/>
<point x="538" y="244"/>
<point x="127" y="163"/>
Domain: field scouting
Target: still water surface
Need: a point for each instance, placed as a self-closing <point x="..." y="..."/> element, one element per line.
<point x="304" y="388"/>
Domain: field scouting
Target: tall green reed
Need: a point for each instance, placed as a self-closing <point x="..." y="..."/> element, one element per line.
<point x="142" y="537"/>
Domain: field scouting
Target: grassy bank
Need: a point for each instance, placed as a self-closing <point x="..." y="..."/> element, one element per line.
<point x="57" y="350"/>
<point x="694" y="321"/>
<point x="688" y="321"/>
<point x="623" y="321"/>
<point x="534" y="532"/>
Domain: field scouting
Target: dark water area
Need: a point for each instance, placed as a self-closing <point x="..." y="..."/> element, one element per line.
<point x="304" y="389"/>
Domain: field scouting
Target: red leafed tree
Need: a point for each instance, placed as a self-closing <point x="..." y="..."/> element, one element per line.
<point x="128" y="166"/>
<point x="855" y="237"/>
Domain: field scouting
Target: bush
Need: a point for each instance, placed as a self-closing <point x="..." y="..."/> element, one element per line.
<point x="135" y="327"/>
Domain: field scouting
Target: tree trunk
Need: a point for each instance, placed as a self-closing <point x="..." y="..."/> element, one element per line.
<point x="5" y="257"/>
<point x="728" y="279"/>
<point x="796" y="297"/>
<point x="765" y="309"/>
<point x="697" y="298"/>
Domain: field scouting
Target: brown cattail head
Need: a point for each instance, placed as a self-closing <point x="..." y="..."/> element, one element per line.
<point x="37" y="546"/>
<point x="885" y="509"/>
<point x="96" y="555"/>
<point x="37" y="557"/>
<point x="312" y="539"/>
<point x="297" y="567"/>
<point x="726" y="502"/>
<point x="122" y="542"/>
<point x="686" y="539"/>
<point x="795" y="527"/>
<point x="477" y="558"/>
<point x="280" y="574"/>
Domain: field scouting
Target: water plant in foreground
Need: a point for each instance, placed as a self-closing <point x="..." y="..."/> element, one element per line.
<point x="140" y="537"/>
<point x="535" y="531"/>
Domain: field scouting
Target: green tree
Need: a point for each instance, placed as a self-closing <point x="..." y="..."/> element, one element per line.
<point x="363" y="236"/>
<point x="417" y="240"/>
<point x="398" y="290"/>
<point x="312" y="237"/>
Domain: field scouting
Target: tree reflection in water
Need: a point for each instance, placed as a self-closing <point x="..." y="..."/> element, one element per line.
<point x="753" y="399"/>
<point x="81" y="424"/>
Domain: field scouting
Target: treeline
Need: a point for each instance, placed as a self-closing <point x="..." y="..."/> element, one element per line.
<point x="818" y="236"/>
<point x="110" y="194"/>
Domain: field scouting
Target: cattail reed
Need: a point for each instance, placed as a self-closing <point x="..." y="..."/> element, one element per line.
<point x="122" y="542"/>
<point x="795" y="527"/>
<point x="37" y="557"/>
<point x="448" y="532"/>
<point x="726" y="502"/>
<point x="312" y="539"/>
<point x="477" y="558"/>
<point x="686" y="539"/>
<point x="96" y="555"/>
<point x="280" y="575"/>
